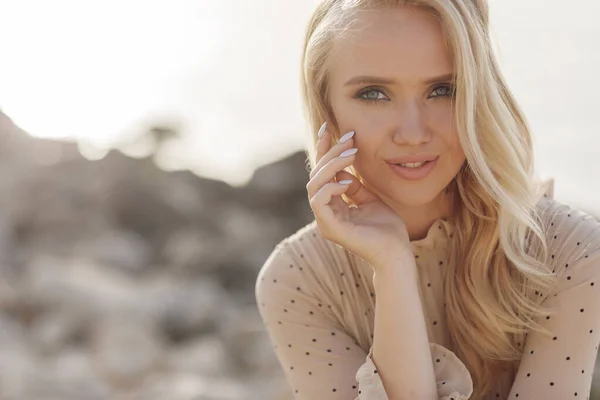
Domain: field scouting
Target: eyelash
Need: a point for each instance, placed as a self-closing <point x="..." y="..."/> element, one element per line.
<point x="360" y="94"/>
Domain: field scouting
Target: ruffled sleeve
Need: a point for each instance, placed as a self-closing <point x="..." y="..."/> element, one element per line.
<point x="452" y="377"/>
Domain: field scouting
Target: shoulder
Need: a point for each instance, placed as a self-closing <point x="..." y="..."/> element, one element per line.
<point x="306" y="248"/>
<point x="573" y="239"/>
<point x="304" y="257"/>
<point x="570" y="232"/>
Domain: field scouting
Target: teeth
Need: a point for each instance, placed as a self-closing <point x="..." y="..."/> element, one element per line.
<point x="413" y="165"/>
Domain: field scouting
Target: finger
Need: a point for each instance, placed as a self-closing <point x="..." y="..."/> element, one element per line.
<point x="321" y="204"/>
<point x="323" y="146"/>
<point x="323" y="142"/>
<point x="331" y="151"/>
<point x="345" y="176"/>
<point x="357" y="193"/>
<point x="327" y="173"/>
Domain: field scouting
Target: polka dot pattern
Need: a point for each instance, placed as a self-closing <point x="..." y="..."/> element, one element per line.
<point x="317" y="303"/>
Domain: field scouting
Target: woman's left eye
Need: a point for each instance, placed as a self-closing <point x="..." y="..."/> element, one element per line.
<point x="443" y="91"/>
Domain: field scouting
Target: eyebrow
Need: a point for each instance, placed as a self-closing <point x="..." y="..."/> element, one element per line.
<point x="357" y="80"/>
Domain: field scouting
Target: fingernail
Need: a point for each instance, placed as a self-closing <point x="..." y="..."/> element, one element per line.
<point x="322" y="129"/>
<point x="346" y="137"/>
<point x="345" y="182"/>
<point x="349" y="152"/>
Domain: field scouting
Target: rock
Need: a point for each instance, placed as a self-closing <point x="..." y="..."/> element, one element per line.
<point x="133" y="282"/>
<point x="191" y="387"/>
<point x="185" y="309"/>
<point x="191" y="252"/>
<point x="53" y="330"/>
<point x="19" y="362"/>
<point x="80" y="287"/>
<point x="246" y="338"/>
<point x="204" y="356"/>
<point x="126" y="250"/>
<point x="9" y="296"/>
<point x="125" y="348"/>
<point x="67" y="376"/>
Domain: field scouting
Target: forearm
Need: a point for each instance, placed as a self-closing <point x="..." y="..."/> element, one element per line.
<point x="400" y="344"/>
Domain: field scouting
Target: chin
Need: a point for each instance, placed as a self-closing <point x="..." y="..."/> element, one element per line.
<point x="418" y="197"/>
<point x="416" y="194"/>
<point x="407" y="193"/>
<point x="422" y="192"/>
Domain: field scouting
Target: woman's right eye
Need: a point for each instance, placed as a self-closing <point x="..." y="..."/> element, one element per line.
<point x="372" y="95"/>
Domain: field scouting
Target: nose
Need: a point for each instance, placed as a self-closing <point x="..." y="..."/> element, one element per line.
<point x="410" y="128"/>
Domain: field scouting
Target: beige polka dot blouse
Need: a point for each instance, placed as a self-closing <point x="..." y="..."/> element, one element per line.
<point x="317" y="303"/>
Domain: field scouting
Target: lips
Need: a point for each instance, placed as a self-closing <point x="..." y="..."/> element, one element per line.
<point x="414" y="174"/>
<point x="412" y="159"/>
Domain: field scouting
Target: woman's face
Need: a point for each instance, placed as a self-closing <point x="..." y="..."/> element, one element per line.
<point x="390" y="82"/>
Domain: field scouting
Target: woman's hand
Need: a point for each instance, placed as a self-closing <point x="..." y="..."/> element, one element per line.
<point x="371" y="230"/>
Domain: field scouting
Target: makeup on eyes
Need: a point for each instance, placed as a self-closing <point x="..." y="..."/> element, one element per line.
<point x="451" y="91"/>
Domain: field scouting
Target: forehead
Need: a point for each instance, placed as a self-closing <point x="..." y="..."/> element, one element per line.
<point x="406" y="44"/>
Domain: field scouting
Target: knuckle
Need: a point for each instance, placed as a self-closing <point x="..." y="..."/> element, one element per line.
<point x="314" y="198"/>
<point x="310" y="188"/>
<point x="327" y="188"/>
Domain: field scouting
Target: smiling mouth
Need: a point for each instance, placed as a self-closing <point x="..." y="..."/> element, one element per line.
<point x="413" y="165"/>
<point x="414" y="171"/>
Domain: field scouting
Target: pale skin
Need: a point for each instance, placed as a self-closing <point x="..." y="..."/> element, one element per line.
<point x="413" y="115"/>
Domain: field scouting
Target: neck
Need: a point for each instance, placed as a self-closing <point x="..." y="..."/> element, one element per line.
<point x="418" y="220"/>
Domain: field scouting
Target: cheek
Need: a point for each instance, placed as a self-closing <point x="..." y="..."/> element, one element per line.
<point x="352" y="116"/>
<point x="441" y="117"/>
<point x="442" y="121"/>
<point x="370" y="127"/>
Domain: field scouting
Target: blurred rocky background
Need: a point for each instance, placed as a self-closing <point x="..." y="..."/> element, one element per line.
<point x="121" y="281"/>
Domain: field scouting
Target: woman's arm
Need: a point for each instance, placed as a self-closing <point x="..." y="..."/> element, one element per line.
<point x="561" y="366"/>
<point x="321" y="360"/>
<point x="401" y="348"/>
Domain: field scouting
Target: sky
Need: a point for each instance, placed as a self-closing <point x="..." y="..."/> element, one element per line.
<point x="226" y="71"/>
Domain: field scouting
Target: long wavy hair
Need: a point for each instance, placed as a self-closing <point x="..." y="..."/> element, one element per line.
<point x="497" y="276"/>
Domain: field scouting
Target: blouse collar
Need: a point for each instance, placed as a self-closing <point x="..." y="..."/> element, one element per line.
<point x="441" y="230"/>
<point x="437" y="235"/>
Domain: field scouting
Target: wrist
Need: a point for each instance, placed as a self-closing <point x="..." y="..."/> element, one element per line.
<point x="403" y="255"/>
<point x="402" y="264"/>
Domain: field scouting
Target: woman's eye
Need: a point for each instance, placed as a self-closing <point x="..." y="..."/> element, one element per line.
<point x="442" y="91"/>
<point x="372" y="95"/>
<point x="376" y="95"/>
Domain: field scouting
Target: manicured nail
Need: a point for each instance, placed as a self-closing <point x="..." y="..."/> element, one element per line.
<point x="345" y="182"/>
<point x="346" y="137"/>
<point x="349" y="152"/>
<point x="322" y="129"/>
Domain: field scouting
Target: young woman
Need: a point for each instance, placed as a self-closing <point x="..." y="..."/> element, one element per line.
<point x="438" y="266"/>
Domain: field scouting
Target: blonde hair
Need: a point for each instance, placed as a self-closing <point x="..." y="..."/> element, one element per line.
<point x="497" y="276"/>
